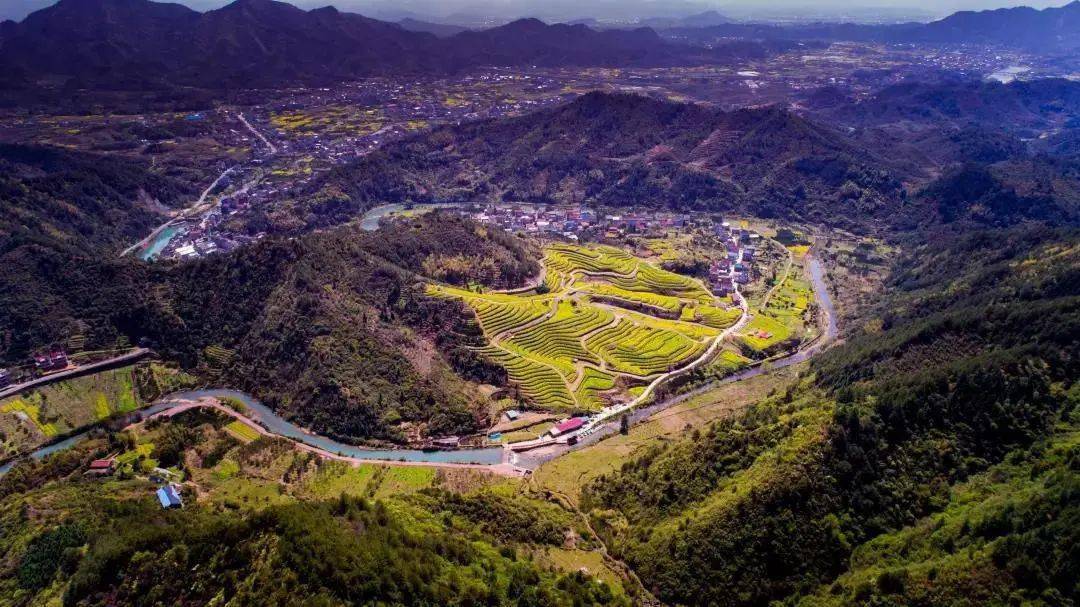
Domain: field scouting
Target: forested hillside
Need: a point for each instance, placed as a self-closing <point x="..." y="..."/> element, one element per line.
<point x="79" y="201"/>
<point x="321" y="327"/>
<point x="965" y="375"/>
<point x="621" y="150"/>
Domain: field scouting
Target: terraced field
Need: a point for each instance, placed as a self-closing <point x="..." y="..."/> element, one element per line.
<point x="607" y="314"/>
<point x="650" y="279"/>
<point x="497" y="317"/>
<point x="593" y="383"/>
<point x="664" y="303"/>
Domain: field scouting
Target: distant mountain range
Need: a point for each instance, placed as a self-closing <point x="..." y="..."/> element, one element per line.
<point x="703" y="19"/>
<point x="265" y="43"/>
<point x="442" y="30"/>
<point x="1047" y="30"/>
<point x="123" y="43"/>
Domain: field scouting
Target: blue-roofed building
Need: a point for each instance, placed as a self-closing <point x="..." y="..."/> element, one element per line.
<point x="169" y="497"/>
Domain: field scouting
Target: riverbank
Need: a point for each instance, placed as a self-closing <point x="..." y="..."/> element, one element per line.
<point x="503" y="468"/>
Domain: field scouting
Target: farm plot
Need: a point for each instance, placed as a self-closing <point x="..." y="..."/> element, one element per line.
<point x="557" y="340"/>
<point x="242" y="431"/>
<point x="650" y="279"/>
<point x="664" y="303"/>
<point x="537" y="382"/>
<point x="593" y="383"/>
<point x="29" y="420"/>
<point x="643" y="350"/>
<point x="717" y="318"/>
<point x="764" y="332"/>
<point x="607" y="315"/>
<point x="568" y="258"/>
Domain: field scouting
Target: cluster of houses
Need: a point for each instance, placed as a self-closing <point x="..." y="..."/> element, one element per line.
<point x="51" y="361"/>
<point x="45" y="362"/>
<point x="736" y="266"/>
<point x="570" y="220"/>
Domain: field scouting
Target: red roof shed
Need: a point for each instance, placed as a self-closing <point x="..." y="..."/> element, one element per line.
<point x="568" y="426"/>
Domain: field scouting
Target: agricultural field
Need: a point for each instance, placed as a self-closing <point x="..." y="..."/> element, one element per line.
<point x="784" y="312"/>
<point x="608" y="322"/>
<point x="334" y="120"/>
<point x="29" y="420"/>
<point x="242" y="431"/>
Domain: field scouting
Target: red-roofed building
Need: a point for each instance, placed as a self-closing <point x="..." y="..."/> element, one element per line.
<point x="568" y="425"/>
<point x="57" y="359"/>
<point x="102" y="467"/>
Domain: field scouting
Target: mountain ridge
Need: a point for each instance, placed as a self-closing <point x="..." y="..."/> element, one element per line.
<point x="1053" y="29"/>
<point x="268" y="43"/>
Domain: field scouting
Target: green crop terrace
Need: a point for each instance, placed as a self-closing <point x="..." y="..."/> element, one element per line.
<point x="607" y="315"/>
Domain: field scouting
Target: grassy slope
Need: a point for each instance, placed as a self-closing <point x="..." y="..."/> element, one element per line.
<point x="1004" y="533"/>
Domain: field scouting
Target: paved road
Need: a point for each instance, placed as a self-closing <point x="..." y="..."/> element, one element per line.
<point x="117" y="361"/>
<point x="273" y="148"/>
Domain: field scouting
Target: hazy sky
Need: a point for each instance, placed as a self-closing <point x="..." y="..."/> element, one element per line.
<point x="616" y="9"/>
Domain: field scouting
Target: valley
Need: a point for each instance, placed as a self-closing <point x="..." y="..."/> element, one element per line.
<point x="303" y="306"/>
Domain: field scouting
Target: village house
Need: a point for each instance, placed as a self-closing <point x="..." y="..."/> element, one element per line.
<point x="447" y="442"/>
<point x="102" y="467"/>
<point x="57" y="359"/>
<point x="169" y="497"/>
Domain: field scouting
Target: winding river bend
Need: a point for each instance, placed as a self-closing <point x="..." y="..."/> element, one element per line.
<point x="265" y="417"/>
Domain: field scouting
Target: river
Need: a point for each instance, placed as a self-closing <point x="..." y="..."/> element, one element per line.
<point x="159" y="242"/>
<point x="264" y="416"/>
